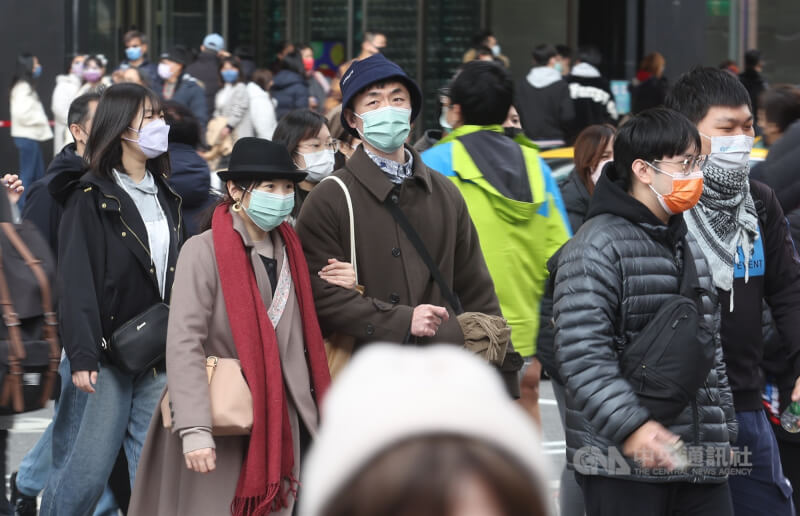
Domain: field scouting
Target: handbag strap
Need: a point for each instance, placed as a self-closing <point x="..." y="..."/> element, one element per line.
<point x="391" y="202"/>
<point x="50" y="318"/>
<point x="352" y="222"/>
<point x="12" y="387"/>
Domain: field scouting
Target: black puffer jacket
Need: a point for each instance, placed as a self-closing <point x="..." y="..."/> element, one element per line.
<point x="618" y="270"/>
<point x="576" y="200"/>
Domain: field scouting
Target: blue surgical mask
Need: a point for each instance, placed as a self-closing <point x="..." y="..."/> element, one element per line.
<point x="386" y="128"/>
<point x="230" y="75"/>
<point x="37" y="72"/>
<point x="559" y="67"/>
<point x="133" y="53"/>
<point x="267" y="210"/>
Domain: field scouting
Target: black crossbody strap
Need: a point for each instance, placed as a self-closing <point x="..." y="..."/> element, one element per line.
<point x="690" y="284"/>
<point x="391" y="203"/>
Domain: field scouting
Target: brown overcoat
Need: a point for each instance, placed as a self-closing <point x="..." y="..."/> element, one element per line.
<point x="394" y="276"/>
<point x="199" y="327"/>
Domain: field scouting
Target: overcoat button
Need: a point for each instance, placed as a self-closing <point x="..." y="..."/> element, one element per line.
<point x="396" y="252"/>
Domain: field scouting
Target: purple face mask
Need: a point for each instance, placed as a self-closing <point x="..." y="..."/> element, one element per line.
<point x="92" y="74"/>
<point x="153" y="138"/>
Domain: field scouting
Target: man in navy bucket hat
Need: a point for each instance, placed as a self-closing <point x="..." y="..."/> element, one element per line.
<point x="400" y="302"/>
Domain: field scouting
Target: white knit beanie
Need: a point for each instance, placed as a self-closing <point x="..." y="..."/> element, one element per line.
<point x="390" y="393"/>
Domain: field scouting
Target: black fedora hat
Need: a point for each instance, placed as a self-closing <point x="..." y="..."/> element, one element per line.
<point x="256" y="159"/>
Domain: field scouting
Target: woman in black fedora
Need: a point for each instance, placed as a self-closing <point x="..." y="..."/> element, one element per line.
<point x="242" y="291"/>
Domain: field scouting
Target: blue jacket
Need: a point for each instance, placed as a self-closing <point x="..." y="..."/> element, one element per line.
<point x="291" y="92"/>
<point x="189" y="93"/>
<point x="191" y="178"/>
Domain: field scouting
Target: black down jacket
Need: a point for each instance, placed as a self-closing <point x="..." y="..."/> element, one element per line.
<point x="621" y="266"/>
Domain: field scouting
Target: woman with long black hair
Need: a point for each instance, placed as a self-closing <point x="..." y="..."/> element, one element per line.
<point x="29" y="124"/>
<point x="118" y="245"/>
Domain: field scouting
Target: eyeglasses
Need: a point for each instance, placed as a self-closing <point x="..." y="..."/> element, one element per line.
<point x="687" y="166"/>
<point x="332" y="145"/>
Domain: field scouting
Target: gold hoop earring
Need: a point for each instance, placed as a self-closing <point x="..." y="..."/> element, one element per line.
<point x="237" y="206"/>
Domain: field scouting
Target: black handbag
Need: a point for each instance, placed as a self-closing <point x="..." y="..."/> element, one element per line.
<point x="671" y="357"/>
<point x="140" y="343"/>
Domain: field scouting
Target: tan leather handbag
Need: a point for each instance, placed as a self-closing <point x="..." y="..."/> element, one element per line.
<point x="231" y="400"/>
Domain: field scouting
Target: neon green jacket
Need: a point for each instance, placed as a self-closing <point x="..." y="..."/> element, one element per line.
<point x="517" y="238"/>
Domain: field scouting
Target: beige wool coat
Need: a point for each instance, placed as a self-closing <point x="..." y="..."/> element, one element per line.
<point x="199" y="327"/>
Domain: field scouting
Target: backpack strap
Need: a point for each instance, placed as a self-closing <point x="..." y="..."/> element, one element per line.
<point x="50" y="318"/>
<point x="11" y="393"/>
<point x="690" y="283"/>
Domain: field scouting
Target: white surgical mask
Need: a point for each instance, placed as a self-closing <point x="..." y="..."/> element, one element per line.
<point x="729" y="152"/>
<point x="495" y="50"/>
<point x="443" y="120"/>
<point x="598" y="170"/>
<point x="319" y="165"/>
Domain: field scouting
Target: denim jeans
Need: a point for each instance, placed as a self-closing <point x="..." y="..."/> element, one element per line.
<point x="37" y="463"/>
<point x="88" y="432"/>
<point x="31" y="163"/>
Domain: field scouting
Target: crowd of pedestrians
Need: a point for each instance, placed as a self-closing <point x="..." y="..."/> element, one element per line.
<point x="224" y="234"/>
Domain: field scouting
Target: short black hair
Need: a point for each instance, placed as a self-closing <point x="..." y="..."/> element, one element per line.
<point x="650" y="135"/>
<point x="480" y="38"/>
<point x="590" y="54"/>
<point x="483" y="51"/>
<point x="702" y="87"/>
<point x="781" y="105"/>
<point x="751" y="59"/>
<point x="183" y="126"/>
<point x="542" y="54"/>
<point x="564" y="51"/>
<point x="484" y="90"/>
<point x="79" y="109"/>
<point x="293" y="61"/>
<point x="296" y="126"/>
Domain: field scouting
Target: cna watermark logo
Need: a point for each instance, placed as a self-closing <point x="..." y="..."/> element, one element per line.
<point x="693" y="460"/>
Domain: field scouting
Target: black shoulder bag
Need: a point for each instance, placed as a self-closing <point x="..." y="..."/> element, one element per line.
<point x="671" y="357"/>
<point x="512" y="362"/>
<point x="140" y="343"/>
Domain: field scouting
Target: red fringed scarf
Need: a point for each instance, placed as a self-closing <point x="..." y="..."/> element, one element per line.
<point x="266" y="480"/>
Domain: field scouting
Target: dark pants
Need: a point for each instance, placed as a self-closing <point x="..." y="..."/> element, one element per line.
<point x="765" y="490"/>
<point x="790" y="460"/>
<point x="606" y="496"/>
<point x="31" y="164"/>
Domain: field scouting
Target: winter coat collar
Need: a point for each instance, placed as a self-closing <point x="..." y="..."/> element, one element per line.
<point x="543" y="76"/>
<point x="610" y="197"/>
<point x="67" y="161"/>
<point x="112" y="200"/>
<point x="374" y="179"/>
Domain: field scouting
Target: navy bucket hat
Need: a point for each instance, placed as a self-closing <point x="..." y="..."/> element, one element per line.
<point x="369" y="71"/>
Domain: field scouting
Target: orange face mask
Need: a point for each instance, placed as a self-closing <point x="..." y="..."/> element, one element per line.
<point x="686" y="192"/>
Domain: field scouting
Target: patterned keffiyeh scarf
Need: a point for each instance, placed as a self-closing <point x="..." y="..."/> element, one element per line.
<point x="723" y="220"/>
